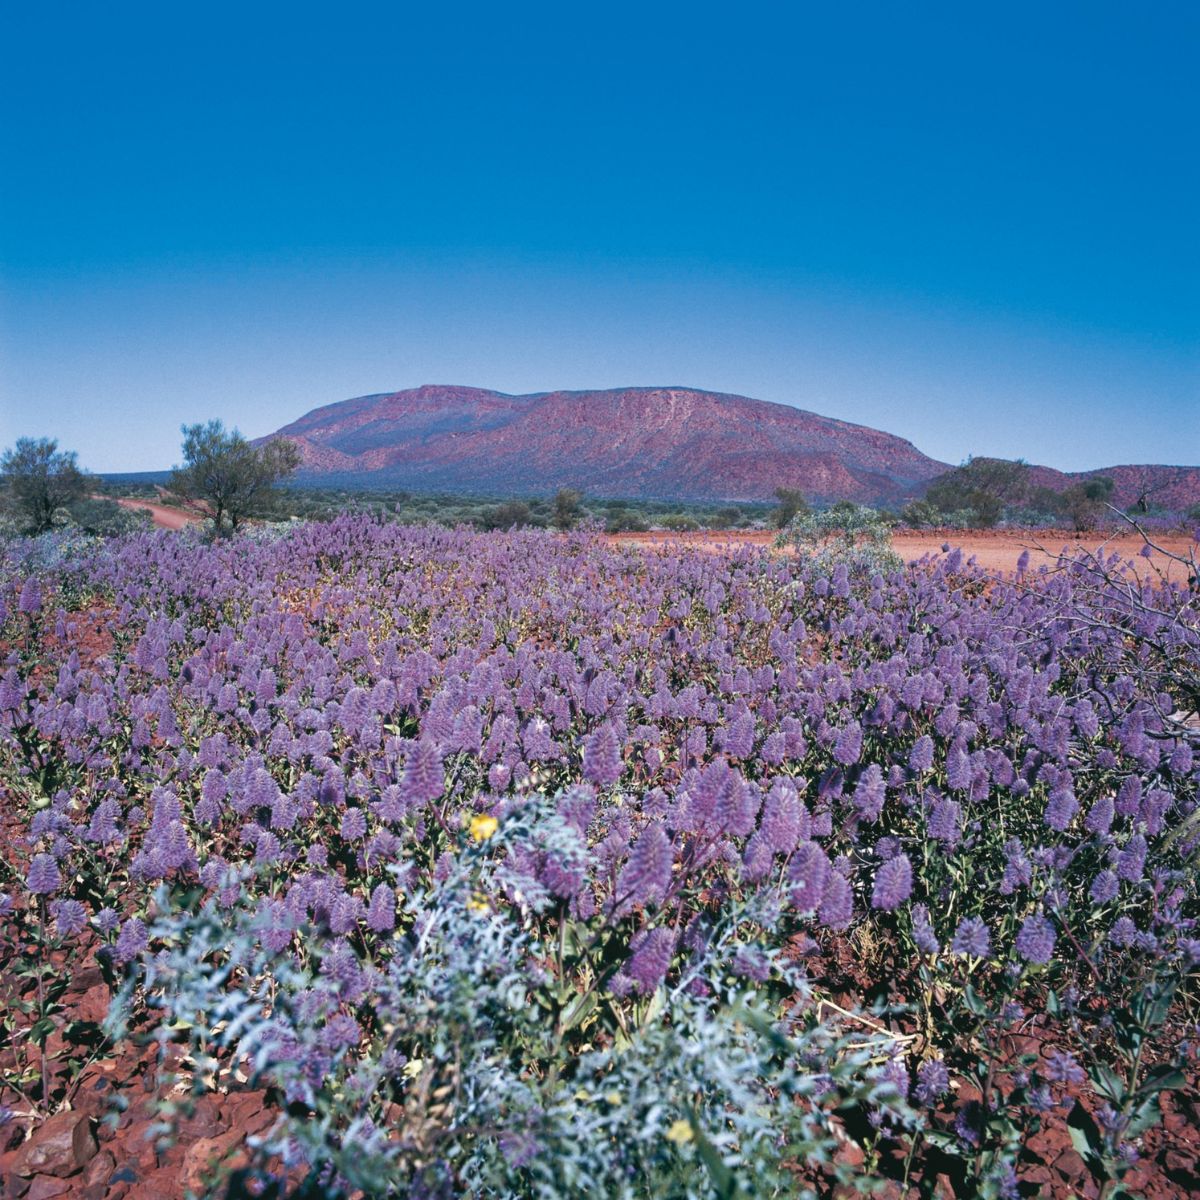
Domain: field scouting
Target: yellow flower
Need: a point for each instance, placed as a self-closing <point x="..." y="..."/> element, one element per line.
<point x="614" y="1098"/>
<point x="483" y="826"/>
<point x="477" y="903"/>
<point x="680" y="1132"/>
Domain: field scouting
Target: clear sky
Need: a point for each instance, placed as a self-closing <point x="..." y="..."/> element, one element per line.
<point x="971" y="225"/>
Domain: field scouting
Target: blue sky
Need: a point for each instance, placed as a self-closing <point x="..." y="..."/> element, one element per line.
<point x="970" y="225"/>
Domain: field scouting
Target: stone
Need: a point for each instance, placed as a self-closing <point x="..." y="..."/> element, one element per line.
<point x="203" y="1156"/>
<point x="100" y="1169"/>
<point x="204" y="1120"/>
<point x="163" y="1184"/>
<point x="46" y="1187"/>
<point x="61" y="1146"/>
<point x="93" y="1004"/>
<point x="12" y="1185"/>
<point x="1070" y="1164"/>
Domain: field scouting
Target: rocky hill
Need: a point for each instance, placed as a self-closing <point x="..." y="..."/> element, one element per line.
<point x="654" y="442"/>
<point x="636" y="442"/>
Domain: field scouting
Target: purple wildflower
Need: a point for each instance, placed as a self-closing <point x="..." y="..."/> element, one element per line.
<point x="1131" y="862"/>
<point x="44" y="876"/>
<point x="69" y="917"/>
<point x="738" y="740"/>
<point x="381" y="913"/>
<point x="893" y="883"/>
<point x="1036" y="939"/>
<point x="647" y="874"/>
<point x="1061" y="809"/>
<point x="933" y="1081"/>
<point x="1100" y="816"/>
<point x="972" y="938"/>
<point x="602" y="757"/>
<point x="648" y="962"/>
<point x="923" y="935"/>
<point x="30" y="600"/>
<point x="1123" y="932"/>
<point x="1104" y="887"/>
<point x="920" y="757"/>
<point x="424" y="779"/>
<point x="354" y="824"/>
<point x="131" y="941"/>
<point x="1062" y="1068"/>
<point x="869" y="793"/>
<point x="808" y="872"/>
<point x="848" y="747"/>
<point x="837" y="902"/>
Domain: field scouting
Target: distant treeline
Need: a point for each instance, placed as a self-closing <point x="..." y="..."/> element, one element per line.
<point x="981" y="494"/>
<point x="302" y="502"/>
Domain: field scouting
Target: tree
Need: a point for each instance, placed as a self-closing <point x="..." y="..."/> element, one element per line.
<point x="982" y="488"/>
<point x="40" y="479"/>
<point x="725" y="518"/>
<point x="848" y="535"/>
<point x="1084" y="501"/>
<point x="512" y="514"/>
<point x="792" y="504"/>
<point x="228" y="479"/>
<point x="566" y="508"/>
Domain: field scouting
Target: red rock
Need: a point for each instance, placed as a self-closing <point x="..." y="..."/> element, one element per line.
<point x="93" y="1004"/>
<point x="100" y="1169"/>
<point x="204" y="1155"/>
<point x="45" y="1187"/>
<point x="60" y="1146"/>
<point x="204" y="1121"/>
<point x="85" y="979"/>
<point x="12" y="1185"/>
<point x="163" y="1184"/>
<point x="1070" y="1164"/>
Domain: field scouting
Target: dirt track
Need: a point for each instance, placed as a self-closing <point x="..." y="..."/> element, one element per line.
<point x="162" y="516"/>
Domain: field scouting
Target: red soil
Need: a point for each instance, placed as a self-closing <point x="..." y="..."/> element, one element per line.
<point x="992" y="549"/>
<point x="163" y="517"/>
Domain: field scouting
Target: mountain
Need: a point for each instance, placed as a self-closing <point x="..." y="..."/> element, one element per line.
<point x="668" y="442"/>
<point x="1176" y="489"/>
<point x="660" y="442"/>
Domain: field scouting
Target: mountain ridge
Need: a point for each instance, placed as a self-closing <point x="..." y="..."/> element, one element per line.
<point x="667" y="442"/>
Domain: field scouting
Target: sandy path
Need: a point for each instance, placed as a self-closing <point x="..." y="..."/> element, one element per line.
<point x="160" y="514"/>
<point x="993" y="549"/>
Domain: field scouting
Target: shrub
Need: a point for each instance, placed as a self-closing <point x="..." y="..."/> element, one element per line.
<point x="849" y="536"/>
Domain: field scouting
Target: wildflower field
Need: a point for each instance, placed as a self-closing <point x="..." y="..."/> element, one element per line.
<point x="527" y="865"/>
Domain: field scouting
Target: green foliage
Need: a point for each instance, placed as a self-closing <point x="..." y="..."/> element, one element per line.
<point x="468" y="1072"/>
<point x="102" y="517"/>
<point x="227" y="479"/>
<point x="919" y="514"/>
<point x="982" y="487"/>
<point x="38" y="479"/>
<point x="847" y="535"/>
<point x="792" y="504"/>
<point x="679" y="523"/>
<point x="567" y="510"/>
<point x="513" y="514"/>
<point x="1084" y="502"/>
<point x="625" y="520"/>
<point x="725" y="518"/>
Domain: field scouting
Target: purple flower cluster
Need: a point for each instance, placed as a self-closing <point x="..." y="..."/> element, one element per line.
<point x="970" y="768"/>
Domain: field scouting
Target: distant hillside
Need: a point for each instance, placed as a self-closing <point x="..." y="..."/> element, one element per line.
<point x="1175" y="489"/>
<point x="669" y="442"/>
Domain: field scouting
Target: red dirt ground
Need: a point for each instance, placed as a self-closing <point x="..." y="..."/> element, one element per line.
<point x="993" y="549"/>
<point x="162" y="516"/>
